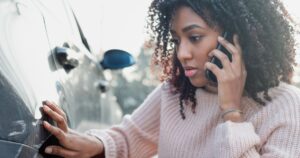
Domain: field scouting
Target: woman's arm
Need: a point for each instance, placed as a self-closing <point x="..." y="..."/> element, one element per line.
<point x="277" y="136"/>
<point x="137" y="135"/>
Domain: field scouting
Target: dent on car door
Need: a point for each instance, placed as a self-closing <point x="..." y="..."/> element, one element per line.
<point x="80" y="73"/>
<point x="27" y="77"/>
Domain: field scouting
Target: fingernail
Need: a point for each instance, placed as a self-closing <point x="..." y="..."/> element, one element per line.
<point x="48" y="150"/>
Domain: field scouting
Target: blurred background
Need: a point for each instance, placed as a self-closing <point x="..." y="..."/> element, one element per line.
<point x="122" y="25"/>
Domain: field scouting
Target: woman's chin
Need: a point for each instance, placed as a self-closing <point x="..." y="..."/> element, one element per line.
<point x="199" y="82"/>
<point x="204" y="83"/>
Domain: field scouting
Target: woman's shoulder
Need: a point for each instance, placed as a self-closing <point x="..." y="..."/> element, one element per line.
<point x="285" y="91"/>
<point x="168" y="87"/>
<point x="285" y="98"/>
<point x="165" y="87"/>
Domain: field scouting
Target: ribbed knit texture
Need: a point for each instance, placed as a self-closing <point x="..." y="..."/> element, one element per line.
<point x="156" y="127"/>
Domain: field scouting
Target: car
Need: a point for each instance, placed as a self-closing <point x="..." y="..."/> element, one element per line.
<point x="44" y="55"/>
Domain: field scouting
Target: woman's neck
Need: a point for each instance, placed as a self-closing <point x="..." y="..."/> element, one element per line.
<point x="211" y="87"/>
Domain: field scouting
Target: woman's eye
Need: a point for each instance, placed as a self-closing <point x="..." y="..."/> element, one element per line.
<point x="195" y="38"/>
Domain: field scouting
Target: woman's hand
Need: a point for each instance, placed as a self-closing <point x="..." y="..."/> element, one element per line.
<point x="74" y="144"/>
<point x="231" y="78"/>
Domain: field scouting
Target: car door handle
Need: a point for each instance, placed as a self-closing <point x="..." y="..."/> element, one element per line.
<point x="66" y="57"/>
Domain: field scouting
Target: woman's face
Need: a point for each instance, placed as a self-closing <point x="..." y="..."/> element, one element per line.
<point x="194" y="40"/>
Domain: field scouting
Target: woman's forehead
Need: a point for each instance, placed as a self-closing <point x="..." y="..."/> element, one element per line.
<point x="185" y="16"/>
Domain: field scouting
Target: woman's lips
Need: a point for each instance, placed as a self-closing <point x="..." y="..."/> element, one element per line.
<point x="190" y="72"/>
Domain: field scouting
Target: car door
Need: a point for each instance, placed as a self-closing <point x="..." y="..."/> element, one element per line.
<point x="82" y="85"/>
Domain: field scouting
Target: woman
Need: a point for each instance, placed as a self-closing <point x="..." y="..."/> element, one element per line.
<point x="252" y="110"/>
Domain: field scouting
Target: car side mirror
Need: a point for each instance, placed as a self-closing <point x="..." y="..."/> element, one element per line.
<point x="117" y="59"/>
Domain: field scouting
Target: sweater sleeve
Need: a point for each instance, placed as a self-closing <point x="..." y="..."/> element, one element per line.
<point x="232" y="140"/>
<point x="239" y="140"/>
<point x="137" y="135"/>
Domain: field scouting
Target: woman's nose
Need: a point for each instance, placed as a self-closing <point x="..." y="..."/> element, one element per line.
<point x="183" y="52"/>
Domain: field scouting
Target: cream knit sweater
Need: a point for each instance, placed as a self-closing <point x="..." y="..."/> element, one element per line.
<point x="156" y="127"/>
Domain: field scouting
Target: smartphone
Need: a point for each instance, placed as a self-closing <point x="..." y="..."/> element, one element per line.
<point x="209" y="74"/>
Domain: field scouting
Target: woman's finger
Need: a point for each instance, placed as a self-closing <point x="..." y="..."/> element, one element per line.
<point x="231" y="48"/>
<point x="55" y="108"/>
<point x="237" y="58"/>
<point x="213" y="68"/>
<point x="235" y="50"/>
<point x="236" y="43"/>
<point x="57" y="132"/>
<point x="60" y="120"/>
<point x="222" y="57"/>
<point x="59" y="151"/>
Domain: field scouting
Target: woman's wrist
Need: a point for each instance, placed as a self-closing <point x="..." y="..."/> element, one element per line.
<point x="232" y="114"/>
<point x="99" y="148"/>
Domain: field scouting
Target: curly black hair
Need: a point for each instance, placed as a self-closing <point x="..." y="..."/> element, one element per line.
<point x="266" y="35"/>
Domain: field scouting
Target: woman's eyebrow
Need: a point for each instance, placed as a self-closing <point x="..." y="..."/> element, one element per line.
<point x="190" y="27"/>
<point x="187" y="28"/>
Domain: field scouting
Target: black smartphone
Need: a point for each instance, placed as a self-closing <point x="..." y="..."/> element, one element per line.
<point x="209" y="74"/>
